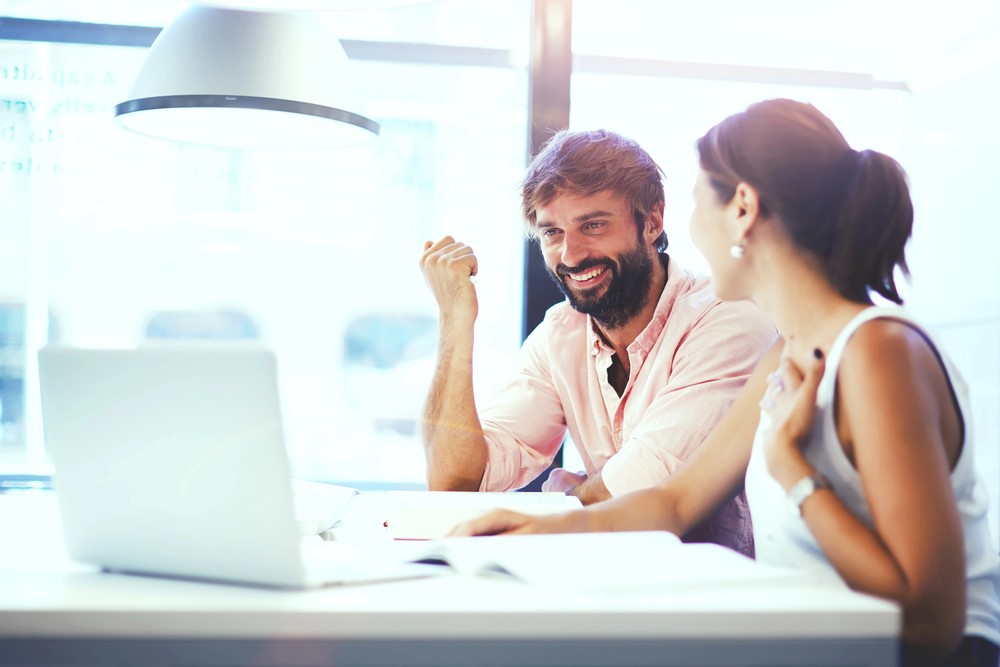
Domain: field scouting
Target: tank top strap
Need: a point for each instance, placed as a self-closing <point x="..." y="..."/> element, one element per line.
<point x="836" y="352"/>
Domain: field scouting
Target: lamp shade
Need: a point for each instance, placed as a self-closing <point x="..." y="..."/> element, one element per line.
<point x="237" y="77"/>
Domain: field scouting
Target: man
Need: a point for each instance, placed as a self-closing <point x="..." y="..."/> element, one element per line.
<point x="638" y="364"/>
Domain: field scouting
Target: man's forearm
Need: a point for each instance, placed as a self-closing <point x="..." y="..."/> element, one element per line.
<point x="453" y="436"/>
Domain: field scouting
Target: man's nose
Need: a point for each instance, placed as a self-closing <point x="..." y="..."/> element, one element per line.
<point x="574" y="250"/>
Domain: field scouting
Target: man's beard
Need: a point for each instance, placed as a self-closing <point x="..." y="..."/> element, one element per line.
<point x="625" y="294"/>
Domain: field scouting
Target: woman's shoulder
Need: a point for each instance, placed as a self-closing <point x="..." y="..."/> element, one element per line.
<point x="891" y="347"/>
<point x="884" y="336"/>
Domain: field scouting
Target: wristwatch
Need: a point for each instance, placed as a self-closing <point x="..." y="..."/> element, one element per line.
<point x="804" y="488"/>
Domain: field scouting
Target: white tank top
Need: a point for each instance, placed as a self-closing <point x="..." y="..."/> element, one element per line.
<point x="781" y="538"/>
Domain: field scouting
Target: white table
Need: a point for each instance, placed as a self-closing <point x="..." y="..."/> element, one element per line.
<point x="54" y="612"/>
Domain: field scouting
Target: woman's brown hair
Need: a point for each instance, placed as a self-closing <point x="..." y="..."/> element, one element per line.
<point x="851" y="210"/>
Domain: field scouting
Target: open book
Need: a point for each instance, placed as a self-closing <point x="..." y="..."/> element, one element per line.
<point x="626" y="562"/>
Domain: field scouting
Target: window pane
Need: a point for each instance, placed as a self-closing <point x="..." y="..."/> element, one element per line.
<point x="480" y="24"/>
<point x="111" y="238"/>
<point x="889" y="39"/>
<point x="122" y="12"/>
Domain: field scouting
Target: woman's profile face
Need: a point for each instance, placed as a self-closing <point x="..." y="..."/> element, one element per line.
<point x="713" y="234"/>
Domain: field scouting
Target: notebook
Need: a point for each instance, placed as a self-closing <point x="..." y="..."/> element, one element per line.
<point x="170" y="460"/>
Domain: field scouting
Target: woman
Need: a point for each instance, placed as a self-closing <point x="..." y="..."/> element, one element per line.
<point x="873" y="454"/>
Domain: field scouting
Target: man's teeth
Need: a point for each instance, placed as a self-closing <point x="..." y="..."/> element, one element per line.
<point x="580" y="277"/>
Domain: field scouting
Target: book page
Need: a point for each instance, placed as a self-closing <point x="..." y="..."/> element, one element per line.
<point x="625" y="562"/>
<point x="426" y="515"/>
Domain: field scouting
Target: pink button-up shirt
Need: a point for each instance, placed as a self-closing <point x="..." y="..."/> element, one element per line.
<point x="686" y="367"/>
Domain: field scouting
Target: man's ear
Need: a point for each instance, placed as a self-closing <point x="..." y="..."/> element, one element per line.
<point x="746" y="207"/>
<point x="654" y="223"/>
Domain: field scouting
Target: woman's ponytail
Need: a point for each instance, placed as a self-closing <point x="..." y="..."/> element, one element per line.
<point x="872" y="227"/>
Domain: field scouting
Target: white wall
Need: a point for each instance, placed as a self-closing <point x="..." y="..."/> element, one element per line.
<point x="951" y="154"/>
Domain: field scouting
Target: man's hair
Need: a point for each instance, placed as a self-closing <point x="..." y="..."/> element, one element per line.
<point x="585" y="163"/>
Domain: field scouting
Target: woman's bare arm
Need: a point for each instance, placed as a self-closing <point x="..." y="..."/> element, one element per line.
<point x="898" y="421"/>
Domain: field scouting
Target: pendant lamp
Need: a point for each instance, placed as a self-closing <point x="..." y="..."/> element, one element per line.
<point x="246" y="78"/>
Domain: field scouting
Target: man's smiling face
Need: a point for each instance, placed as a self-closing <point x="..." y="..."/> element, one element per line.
<point x="598" y="256"/>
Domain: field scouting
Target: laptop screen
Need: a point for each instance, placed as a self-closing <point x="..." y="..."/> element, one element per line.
<point x="171" y="460"/>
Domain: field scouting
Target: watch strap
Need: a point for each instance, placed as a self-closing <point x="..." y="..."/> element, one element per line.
<point x="803" y="489"/>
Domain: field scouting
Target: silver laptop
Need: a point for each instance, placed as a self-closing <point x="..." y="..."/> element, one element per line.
<point x="171" y="461"/>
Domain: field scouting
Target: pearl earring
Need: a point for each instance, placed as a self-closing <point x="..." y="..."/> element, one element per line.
<point x="736" y="250"/>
